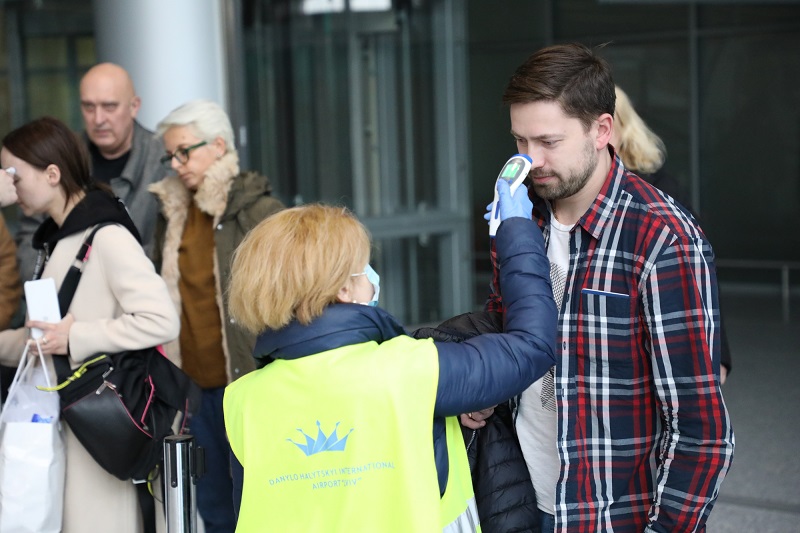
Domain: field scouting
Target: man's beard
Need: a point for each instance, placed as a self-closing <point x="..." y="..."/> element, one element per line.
<point x="569" y="186"/>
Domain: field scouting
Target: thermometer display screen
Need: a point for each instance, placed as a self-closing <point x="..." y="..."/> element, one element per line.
<point x="512" y="170"/>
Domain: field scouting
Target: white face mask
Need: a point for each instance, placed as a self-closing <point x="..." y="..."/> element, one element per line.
<point x="375" y="280"/>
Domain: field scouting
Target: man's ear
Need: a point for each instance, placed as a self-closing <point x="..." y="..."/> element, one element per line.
<point x="53" y="174"/>
<point x="605" y="127"/>
<point x="136" y="103"/>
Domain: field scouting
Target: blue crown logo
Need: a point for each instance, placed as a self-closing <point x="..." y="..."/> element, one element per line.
<point x="323" y="443"/>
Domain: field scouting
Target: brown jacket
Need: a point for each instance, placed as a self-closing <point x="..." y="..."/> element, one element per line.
<point x="10" y="286"/>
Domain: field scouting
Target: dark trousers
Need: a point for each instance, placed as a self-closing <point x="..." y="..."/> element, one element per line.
<point x="215" y="487"/>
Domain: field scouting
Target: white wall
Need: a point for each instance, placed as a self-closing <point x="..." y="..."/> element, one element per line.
<point x="173" y="50"/>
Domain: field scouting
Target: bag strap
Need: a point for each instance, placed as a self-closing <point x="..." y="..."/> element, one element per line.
<point x="67" y="291"/>
<point x="147" y="506"/>
<point x="70" y="283"/>
<point x="25" y="365"/>
<point x="64" y="368"/>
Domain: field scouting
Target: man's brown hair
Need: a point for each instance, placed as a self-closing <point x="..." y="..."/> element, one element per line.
<point x="570" y="74"/>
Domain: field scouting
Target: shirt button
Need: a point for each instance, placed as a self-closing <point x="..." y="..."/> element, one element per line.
<point x="235" y="370"/>
<point x="219" y="226"/>
<point x="232" y="321"/>
<point x="564" y="345"/>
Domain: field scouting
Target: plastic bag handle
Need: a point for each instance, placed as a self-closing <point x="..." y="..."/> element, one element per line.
<point x="24" y="366"/>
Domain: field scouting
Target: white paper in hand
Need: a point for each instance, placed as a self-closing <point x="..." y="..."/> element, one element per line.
<point x="42" y="301"/>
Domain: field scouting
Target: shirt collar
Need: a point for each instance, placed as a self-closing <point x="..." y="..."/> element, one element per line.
<point x="601" y="210"/>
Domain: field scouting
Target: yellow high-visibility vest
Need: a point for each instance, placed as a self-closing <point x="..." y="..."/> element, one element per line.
<point x="342" y="441"/>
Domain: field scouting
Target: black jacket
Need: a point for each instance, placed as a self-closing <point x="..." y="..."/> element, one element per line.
<point x="503" y="489"/>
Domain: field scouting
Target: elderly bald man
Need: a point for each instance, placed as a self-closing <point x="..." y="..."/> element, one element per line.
<point x="123" y="153"/>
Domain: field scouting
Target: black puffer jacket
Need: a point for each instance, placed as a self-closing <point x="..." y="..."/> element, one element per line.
<point x="503" y="489"/>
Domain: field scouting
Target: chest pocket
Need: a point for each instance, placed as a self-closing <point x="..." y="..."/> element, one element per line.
<point x="613" y="305"/>
<point x="606" y="330"/>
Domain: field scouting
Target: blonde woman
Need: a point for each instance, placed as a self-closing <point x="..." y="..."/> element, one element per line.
<point x="641" y="150"/>
<point x="352" y="426"/>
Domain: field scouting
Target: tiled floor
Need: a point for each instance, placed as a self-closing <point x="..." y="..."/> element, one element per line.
<point x="762" y="490"/>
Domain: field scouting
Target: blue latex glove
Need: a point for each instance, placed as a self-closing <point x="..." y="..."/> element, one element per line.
<point x="509" y="206"/>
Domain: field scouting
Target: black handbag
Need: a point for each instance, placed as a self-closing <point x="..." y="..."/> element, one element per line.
<point x="120" y="406"/>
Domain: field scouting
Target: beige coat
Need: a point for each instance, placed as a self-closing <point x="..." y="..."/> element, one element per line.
<point x="120" y="304"/>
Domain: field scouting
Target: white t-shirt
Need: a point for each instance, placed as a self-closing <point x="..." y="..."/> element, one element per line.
<point x="537" y="419"/>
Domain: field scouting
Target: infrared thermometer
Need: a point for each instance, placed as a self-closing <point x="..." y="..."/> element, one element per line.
<point x="514" y="172"/>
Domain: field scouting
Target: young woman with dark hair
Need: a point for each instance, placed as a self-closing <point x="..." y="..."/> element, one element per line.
<point x="120" y="303"/>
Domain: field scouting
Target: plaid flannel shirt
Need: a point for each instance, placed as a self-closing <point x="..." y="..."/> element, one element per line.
<point x="643" y="433"/>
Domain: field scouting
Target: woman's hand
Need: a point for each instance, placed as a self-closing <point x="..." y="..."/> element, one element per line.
<point x="477" y="419"/>
<point x="55" y="339"/>
<point x="508" y="206"/>
<point x="516" y="205"/>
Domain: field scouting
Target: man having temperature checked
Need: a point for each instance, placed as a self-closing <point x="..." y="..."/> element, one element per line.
<point x="628" y="432"/>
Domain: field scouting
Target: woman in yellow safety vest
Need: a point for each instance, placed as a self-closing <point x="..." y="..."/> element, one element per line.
<point x="350" y="424"/>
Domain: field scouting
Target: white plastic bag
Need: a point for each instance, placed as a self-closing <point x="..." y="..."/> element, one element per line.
<point x="32" y="460"/>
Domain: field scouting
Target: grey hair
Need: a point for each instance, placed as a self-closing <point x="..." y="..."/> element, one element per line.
<point x="205" y="118"/>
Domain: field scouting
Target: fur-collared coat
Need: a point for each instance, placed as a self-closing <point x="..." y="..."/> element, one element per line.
<point x="237" y="201"/>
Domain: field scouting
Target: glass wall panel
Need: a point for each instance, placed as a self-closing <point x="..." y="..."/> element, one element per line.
<point x="500" y="39"/>
<point x="717" y="82"/>
<point x="85" y="53"/>
<point x="311" y="68"/>
<point x="365" y="109"/>
<point x="46" y="53"/>
<point x="414" y="263"/>
<point x="655" y="77"/>
<point x="48" y="95"/>
<point x="593" y="22"/>
<point x="5" y="96"/>
<point x="750" y="160"/>
<point x="45" y="49"/>
<point x="748" y="16"/>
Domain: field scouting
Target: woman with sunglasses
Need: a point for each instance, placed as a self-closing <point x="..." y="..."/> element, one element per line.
<point x="207" y="207"/>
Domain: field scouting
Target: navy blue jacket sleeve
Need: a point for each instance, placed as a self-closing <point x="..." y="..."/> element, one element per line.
<point x="488" y="369"/>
